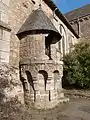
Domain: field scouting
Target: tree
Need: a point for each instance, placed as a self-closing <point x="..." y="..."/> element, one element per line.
<point x="77" y="65"/>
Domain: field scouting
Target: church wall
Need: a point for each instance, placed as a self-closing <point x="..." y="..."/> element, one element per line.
<point x="85" y="27"/>
<point x="84" y="24"/>
<point x="70" y="39"/>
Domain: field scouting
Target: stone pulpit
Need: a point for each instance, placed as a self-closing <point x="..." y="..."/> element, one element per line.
<point x="40" y="72"/>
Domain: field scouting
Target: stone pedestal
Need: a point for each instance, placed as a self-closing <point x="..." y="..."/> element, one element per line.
<point x="41" y="77"/>
<point x="43" y="82"/>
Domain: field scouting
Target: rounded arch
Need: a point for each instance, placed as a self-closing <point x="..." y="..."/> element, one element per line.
<point x="56" y="71"/>
<point x="56" y="74"/>
<point x="56" y="78"/>
<point x="42" y="79"/>
<point x="61" y="28"/>
<point x="63" y="42"/>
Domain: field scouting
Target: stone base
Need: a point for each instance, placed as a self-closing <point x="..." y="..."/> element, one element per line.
<point x="50" y="104"/>
<point x="46" y="100"/>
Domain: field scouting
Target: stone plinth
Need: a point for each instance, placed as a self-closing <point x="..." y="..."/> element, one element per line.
<point x="42" y="81"/>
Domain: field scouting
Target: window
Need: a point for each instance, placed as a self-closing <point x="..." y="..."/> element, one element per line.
<point x="56" y="79"/>
<point x="62" y="45"/>
<point x="71" y="43"/>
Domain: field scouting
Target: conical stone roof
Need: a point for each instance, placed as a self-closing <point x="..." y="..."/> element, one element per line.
<point x="38" y="22"/>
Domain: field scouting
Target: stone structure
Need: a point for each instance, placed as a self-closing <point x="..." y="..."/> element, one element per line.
<point x="80" y="21"/>
<point x="34" y="45"/>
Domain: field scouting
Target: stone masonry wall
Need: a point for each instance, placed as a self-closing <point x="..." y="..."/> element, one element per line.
<point x="84" y="23"/>
<point x="85" y="28"/>
<point x="18" y="13"/>
<point x="10" y="85"/>
<point x="32" y="47"/>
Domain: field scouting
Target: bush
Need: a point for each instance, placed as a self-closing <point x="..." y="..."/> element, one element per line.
<point x="77" y="65"/>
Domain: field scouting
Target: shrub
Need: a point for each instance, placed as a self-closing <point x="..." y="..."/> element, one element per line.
<point x="77" y="65"/>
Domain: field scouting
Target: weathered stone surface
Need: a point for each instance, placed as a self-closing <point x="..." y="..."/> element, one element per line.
<point x="10" y="85"/>
<point x="80" y="21"/>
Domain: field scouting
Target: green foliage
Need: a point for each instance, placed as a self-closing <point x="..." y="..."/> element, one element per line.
<point x="77" y="65"/>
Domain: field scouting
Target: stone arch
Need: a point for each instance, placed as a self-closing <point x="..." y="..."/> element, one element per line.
<point x="56" y="78"/>
<point x="42" y="79"/>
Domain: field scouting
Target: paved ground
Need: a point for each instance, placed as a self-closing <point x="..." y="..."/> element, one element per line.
<point x="74" y="110"/>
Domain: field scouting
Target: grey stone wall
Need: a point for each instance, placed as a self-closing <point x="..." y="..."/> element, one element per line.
<point x="10" y="85"/>
<point x="84" y="24"/>
<point x="85" y="28"/>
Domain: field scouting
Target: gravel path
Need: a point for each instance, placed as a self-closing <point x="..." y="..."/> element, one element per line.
<point x="75" y="109"/>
